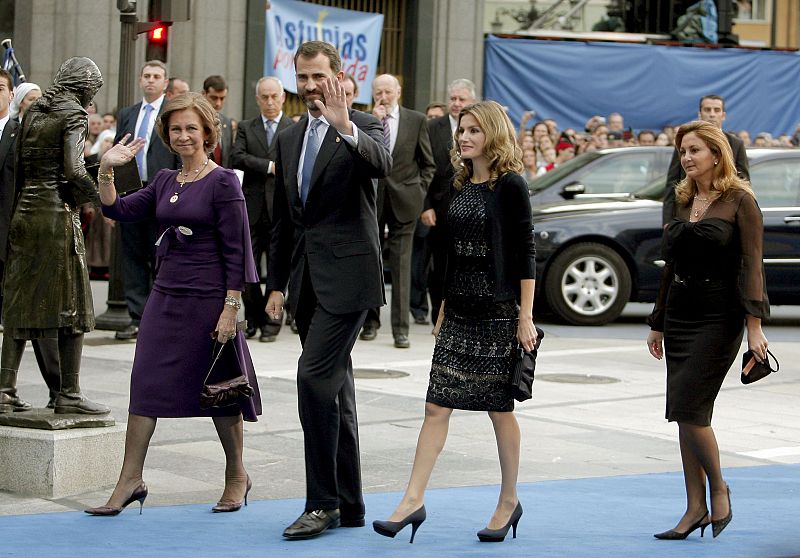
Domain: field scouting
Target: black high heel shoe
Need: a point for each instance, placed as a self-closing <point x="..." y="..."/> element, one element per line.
<point x="391" y="528"/>
<point x="498" y="535"/>
<point x="223" y="507"/>
<point x="138" y="495"/>
<point x="673" y="535"/>
<point x="718" y="525"/>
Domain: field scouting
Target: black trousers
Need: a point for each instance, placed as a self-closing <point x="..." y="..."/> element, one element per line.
<point x="327" y="404"/>
<point x="420" y="263"/>
<point x="138" y="264"/>
<point x="437" y="244"/>
<point x="253" y="297"/>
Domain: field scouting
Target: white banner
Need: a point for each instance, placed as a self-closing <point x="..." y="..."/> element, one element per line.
<point x="356" y="35"/>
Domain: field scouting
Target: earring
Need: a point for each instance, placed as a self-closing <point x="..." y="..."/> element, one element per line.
<point x="716" y="163"/>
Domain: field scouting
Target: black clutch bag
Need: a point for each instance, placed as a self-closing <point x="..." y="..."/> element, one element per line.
<point x="226" y="392"/>
<point x="753" y="370"/>
<point x="521" y="380"/>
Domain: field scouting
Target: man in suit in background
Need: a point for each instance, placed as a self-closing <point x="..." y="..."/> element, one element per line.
<point x="712" y="110"/>
<point x="253" y="152"/>
<point x="215" y="90"/>
<point x="400" y="198"/>
<point x="350" y="89"/>
<point x="460" y="93"/>
<point x="175" y="87"/>
<point x="46" y="350"/>
<point x="325" y="245"/>
<point x="138" y="239"/>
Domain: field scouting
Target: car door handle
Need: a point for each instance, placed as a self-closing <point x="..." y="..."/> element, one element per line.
<point x="792" y="219"/>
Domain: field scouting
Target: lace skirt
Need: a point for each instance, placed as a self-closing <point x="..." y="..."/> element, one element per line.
<point x="473" y="357"/>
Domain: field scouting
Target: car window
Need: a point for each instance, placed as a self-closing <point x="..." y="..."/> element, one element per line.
<point x="777" y="182"/>
<point x="625" y="172"/>
<point x="550" y="178"/>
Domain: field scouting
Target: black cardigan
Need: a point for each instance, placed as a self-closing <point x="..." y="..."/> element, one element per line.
<point x="511" y="245"/>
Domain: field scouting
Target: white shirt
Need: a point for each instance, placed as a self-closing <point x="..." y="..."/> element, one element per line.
<point x="277" y="119"/>
<point x="453" y="125"/>
<point x="3" y="122"/>
<point x="153" y="115"/>
<point x="394" y="123"/>
<point x="322" y="129"/>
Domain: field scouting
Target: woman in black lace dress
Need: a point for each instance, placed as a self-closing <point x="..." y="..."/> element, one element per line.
<point x="487" y="311"/>
<point x="712" y="287"/>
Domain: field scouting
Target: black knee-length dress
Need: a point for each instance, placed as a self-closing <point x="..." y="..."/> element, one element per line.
<point x="712" y="279"/>
<point x="474" y="351"/>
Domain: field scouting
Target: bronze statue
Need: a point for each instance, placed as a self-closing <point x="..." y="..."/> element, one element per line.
<point x="46" y="290"/>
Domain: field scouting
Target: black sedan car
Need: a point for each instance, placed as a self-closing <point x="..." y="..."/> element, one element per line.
<point x="619" y="170"/>
<point x="595" y="255"/>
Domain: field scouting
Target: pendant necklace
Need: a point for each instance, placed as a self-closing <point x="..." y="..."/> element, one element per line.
<point x="705" y="203"/>
<point x="185" y="177"/>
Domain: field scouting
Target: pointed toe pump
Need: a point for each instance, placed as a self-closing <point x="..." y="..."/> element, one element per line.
<point x="224" y="507"/>
<point x="391" y="528"/>
<point x="673" y="535"/>
<point x="718" y="525"/>
<point x="499" y="535"/>
<point x="139" y="495"/>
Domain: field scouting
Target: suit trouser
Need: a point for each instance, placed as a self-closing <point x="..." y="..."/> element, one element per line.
<point x="138" y="264"/>
<point x="253" y="297"/>
<point x="420" y="262"/>
<point x="399" y="243"/>
<point x="437" y="243"/>
<point x="327" y="404"/>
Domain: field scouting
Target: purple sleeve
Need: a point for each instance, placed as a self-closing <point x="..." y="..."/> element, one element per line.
<point x="230" y="214"/>
<point x="139" y="205"/>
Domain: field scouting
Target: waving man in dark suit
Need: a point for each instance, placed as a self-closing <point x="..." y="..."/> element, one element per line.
<point x="400" y="197"/>
<point x="325" y="245"/>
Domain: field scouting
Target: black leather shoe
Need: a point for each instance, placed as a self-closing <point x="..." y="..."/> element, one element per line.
<point x="267" y="337"/>
<point x="420" y="319"/>
<point x="130" y="332"/>
<point x="250" y="332"/>
<point x="369" y="332"/>
<point x="401" y="341"/>
<point x="311" y="524"/>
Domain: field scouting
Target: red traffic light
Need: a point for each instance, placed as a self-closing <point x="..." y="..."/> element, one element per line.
<point x="158" y="35"/>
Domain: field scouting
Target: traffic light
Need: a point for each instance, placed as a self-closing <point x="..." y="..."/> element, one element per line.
<point x="158" y="41"/>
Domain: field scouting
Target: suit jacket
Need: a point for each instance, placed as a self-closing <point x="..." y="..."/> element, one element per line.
<point x="158" y="154"/>
<point x="251" y="154"/>
<point x="441" y="136"/>
<point x="676" y="173"/>
<point x="225" y="140"/>
<point x="7" y="185"/>
<point x="412" y="167"/>
<point x="336" y="234"/>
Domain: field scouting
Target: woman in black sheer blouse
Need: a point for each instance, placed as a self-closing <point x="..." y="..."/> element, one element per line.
<point x="712" y="287"/>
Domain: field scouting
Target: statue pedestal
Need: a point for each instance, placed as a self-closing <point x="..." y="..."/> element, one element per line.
<point x="78" y="453"/>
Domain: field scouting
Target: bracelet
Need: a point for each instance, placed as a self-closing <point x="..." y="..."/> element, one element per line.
<point x="234" y="302"/>
<point x="107" y="177"/>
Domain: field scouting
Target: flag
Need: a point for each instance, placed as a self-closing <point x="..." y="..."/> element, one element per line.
<point x="11" y="65"/>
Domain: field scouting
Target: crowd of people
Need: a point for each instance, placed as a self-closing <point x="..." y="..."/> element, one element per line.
<point x="444" y="194"/>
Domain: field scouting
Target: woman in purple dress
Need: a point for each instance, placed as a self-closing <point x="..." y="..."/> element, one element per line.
<point x="203" y="261"/>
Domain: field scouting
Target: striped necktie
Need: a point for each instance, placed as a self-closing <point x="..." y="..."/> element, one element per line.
<point x="387" y="138"/>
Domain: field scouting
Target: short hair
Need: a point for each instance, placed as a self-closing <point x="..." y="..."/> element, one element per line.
<point x="268" y="78"/>
<point x="311" y="49"/>
<point x="354" y="81"/>
<point x="201" y="106"/>
<point x="436" y="105"/>
<point x="215" y="82"/>
<point x="500" y="147"/>
<point x="171" y="84"/>
<point x="462" y="83"/>
<point x="725" y="176"/>
<point x="712" y="98"/>
<point x="643" y="133"/>
<point x="7" y="75"/>
<point x="154" y="63"/>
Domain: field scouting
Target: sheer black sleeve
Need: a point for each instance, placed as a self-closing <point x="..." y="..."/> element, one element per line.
<point x="752" y="286"/>
<point x="656" y="318"/>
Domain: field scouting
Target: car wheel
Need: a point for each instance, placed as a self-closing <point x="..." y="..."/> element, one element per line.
<point x="588" y="284"/>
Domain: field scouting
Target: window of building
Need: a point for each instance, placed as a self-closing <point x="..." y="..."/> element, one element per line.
<point x="751" y="10"/>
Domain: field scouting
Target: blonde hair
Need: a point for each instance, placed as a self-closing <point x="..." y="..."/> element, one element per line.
<point x="725" y="176"/>
<point x="500" y="146"/>
<point x="208" y="117"/>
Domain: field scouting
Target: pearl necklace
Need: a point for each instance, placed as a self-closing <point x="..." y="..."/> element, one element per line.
<point x="185" y="177"/>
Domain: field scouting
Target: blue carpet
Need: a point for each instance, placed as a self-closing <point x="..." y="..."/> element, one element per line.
<point x="608" y="517"/>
